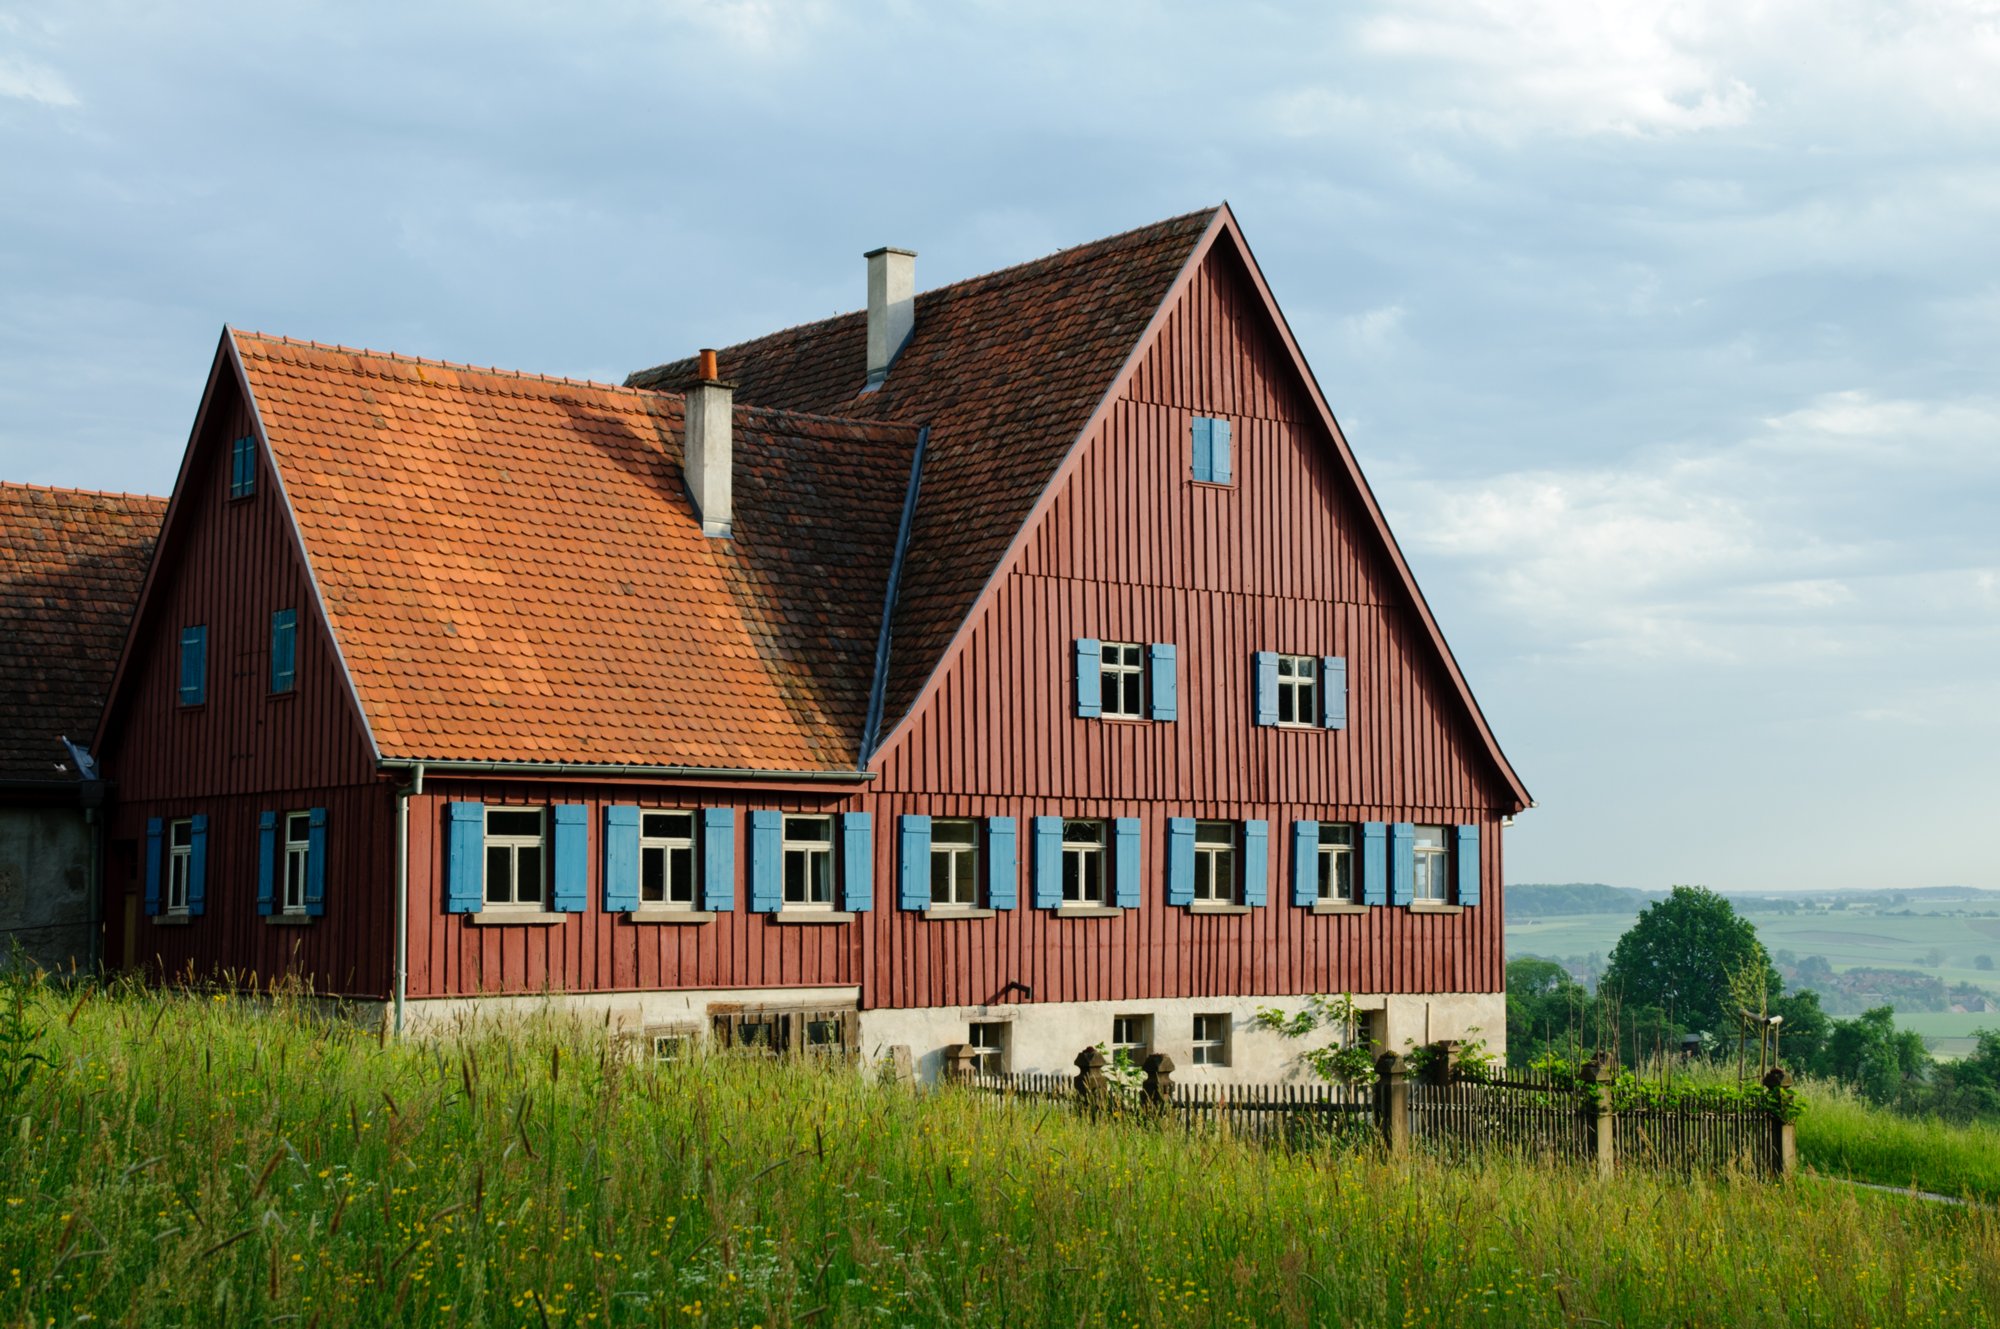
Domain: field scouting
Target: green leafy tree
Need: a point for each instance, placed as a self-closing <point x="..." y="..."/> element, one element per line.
<point x="1803" y="1033"/>
<point x="1887" y="1064"/>
<point x="1678" y="959"/>
<point x="1547" y="1010"/>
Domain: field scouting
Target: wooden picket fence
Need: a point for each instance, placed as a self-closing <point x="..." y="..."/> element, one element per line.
<point x="1554" y="1120"/>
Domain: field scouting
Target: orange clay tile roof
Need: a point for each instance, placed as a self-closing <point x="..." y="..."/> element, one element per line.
<point x="1006" y="370"/>
<point x="71" y="562"/>
<point x="513" y="570"/>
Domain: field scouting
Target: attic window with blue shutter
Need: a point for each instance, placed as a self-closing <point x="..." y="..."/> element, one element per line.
<point x="284" y="649"/>
<point x="243" y="467"/>
<point x="1126" y="680"/>
<point x="194" y="665"/>
<point x="1210" y="446"/>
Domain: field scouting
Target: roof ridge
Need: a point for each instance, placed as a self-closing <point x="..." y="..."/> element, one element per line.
<point x="73" y="489"/>
<point x="493" y="371"/>
<point x="813" y="417"/>
<point x="1010" y="271"/>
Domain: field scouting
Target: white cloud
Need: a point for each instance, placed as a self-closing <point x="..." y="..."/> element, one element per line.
<point x="27" y="81"/>
<point x="1373" y="331"/>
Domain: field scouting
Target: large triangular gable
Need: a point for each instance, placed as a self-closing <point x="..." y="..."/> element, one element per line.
<point x="1222" y="230"/>
<point x="226" y="375"/>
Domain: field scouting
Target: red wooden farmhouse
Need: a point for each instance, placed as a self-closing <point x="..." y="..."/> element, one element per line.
<point x="1023" y="663"/>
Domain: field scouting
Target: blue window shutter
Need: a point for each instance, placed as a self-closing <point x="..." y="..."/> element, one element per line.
<point x="1166" y="690"/>
<point x="1201" y="436"/>
<point x="243" y="467"/>
<point x="914" y="845"/>
<point x="1125" y="835"/>
<point x="1219" y="451"/>
<point x="1048" y="862"/>
<point x="1003" y="873"/>
<point x="621" y="859"/>
<point x="1402" y="863"/>
<point x="155" y="828"/>
<point x="1468" y="865"/>
<point x="316" y="862"/>
<point x="1089" y="677"/>
<point x="198" y="866"/>
<point x="1180" y="860"/>
<point x="1374" y="863"/>
<point x="1256" y="862"/>
<point x="1305" y="863"/>
<point x="267" y="862"/>
<point x="1267" y="687"/>
<point x="1333" y="691"/>
<point x="194" y="665"/>
<point x="572" y="859"/>
<point x="767" y="866"/>
<point x="465" y="853"/>
<point x="718" y="859"/>
<point x="857" y="862"/>
<point x="284" y="649"/>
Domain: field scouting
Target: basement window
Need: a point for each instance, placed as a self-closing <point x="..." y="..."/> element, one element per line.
<point x="1131" y="1035"/>
<point x="988" y="1039"/>
<point x="1211" y="1040"/>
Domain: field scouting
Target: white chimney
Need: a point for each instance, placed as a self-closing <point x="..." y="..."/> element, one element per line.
<point x="892" y="308"/>
<point x="706" y="455"/>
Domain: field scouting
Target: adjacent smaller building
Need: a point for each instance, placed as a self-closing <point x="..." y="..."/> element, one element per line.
<point x="71" y="562"/>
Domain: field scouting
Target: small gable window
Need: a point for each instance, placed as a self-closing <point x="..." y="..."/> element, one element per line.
<point x="243" y="467"/>
<point x="1298" y="690"/>
<point x="194" y="665"/>
<point x="1210" y="444"/>
<point x="1124" y="680"/>
<point x="1301" y="691"/>
<point x="284" y="650"/>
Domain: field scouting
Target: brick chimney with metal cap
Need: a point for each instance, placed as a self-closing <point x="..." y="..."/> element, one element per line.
<point x="706" y="457"/>
<point x="892" y="308"/>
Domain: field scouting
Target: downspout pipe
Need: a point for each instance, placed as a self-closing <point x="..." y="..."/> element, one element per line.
<point x="415" y="786"/>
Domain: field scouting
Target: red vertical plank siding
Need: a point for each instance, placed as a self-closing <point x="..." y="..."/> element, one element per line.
<point x="1131" y="549"/>
<point x="230" y="565"/>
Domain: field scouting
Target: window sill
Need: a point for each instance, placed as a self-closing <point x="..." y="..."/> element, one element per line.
<point x="288" y="920"/>
<point x="1088" y="911"/>
<point x="286" y="695"/>
<point x="1126" y="719"/>
<point x="500" y="918"/>
<point x="1294" y="724"/>
<point x="1216" y="907"/>
<point x="1213" y="484"/>
<point x="172" y="920"/>
<point x="683" y="917"/>
<point x="810" y="916"/>
<point x="946" y="912"/>
<point x="1338" y="907"/>
<point x="1437" y="908"/>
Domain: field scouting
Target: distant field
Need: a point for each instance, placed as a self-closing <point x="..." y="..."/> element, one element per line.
<point x="1848" y="939"/>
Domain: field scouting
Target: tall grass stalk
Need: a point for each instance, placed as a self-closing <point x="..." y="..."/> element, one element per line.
<point x="186" y="1159"/>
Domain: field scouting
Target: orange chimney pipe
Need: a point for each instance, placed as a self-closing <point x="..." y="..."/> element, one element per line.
<point x="707" y="371"/>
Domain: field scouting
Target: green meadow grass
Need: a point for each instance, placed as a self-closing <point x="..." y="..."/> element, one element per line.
<point x="1843" y="1135"/>
<point x="185" y="1159"/>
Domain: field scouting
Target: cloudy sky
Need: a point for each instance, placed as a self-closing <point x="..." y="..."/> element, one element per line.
<point x="1667" y="333"/>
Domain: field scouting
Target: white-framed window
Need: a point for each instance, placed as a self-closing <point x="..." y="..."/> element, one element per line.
<point x="1132" y="1035"/>
<point x="672" y="1045"/>
<point x="1433" y="866"/>
<point x="825" y="1036"/>
<point x="988" y="1039"/>
<point x="1336" y="862"/>
<point x="666" y="859"/>
<point x="1215" y="861"/>
<point x="298" y="861"/>
<point x="808" y="862"/>
<point x="1123" y="671"/>
<point x="1083" y="862"/>
<point x="180" y="863"/>
<point x="1211" y="1040"/>
<point x="954" y="861"/>
<point x="516" y="859"/>
<point x="1298" y="690"/>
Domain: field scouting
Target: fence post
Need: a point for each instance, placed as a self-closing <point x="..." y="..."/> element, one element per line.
<point x="1392" y="1103"/>
<point x="1597" y="1075"/>
<point x="1158" y="1091"/>
<point x="1093" y="1091"/>
<point x="1442" y="1066"/>
<point x="1784" y="1156"/>
<point x="960" y="1061"/>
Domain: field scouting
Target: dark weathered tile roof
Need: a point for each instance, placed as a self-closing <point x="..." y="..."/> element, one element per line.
<point x="71" y="562"/>
<point x="513" y="570"/>
<point x="1006" y="370"/>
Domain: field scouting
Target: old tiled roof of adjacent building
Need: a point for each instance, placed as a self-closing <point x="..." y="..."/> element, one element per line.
<point x="513" y="570"/>
<point x="1005" y="369"/>
<point x="71" y="563"/>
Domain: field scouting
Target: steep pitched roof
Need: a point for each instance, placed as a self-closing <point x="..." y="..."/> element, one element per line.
<point x="1006" y="369"/>
<point x="512" y="570"/>
<point x="71" y="562"/>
